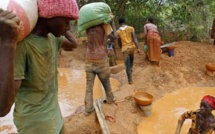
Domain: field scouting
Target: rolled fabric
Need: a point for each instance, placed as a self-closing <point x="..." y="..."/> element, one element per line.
<point x="58" y="8"/>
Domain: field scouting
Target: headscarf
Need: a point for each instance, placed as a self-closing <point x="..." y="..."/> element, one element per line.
<point x="58" y="8"/>
<point x="210" y="100"/>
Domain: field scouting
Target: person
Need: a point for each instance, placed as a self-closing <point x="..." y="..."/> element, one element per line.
<point x="97" y="62"/>
<point x="203" y="121"/>
<point x="213" y="31"/>
<point x="111" y="52"/>
<point x="153" y="41"/>
<point x="127" y="41"/>
<point x="35" y="67"/>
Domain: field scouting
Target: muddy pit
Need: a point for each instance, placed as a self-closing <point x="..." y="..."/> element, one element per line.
<point x="178" y="76"/>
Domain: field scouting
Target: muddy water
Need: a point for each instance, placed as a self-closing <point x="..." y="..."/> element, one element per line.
<point x="166" y="111"/>
<point x="72" y="84"/>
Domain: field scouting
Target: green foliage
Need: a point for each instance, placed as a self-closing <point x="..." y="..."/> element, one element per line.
<point x="176" y="20"/>
<point x="193" y="17"/>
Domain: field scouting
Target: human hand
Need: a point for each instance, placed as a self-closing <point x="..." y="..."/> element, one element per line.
<point x="71" y="37"/>
<point x="138" y="50"/>
<point x="8" y="26"/>
<point x="69" y="41"/>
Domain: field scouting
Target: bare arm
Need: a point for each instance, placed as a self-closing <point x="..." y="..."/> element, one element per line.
<point x="113" y="35"/>
<point x="135" y="41"/>
<point x="6" y="106"/>
<point x="179" y="126"/>
<point x="181" y="120"/>
<point x="114" y="29"/>
<point x="8" y="35"/>
<point x="69" y="42"/>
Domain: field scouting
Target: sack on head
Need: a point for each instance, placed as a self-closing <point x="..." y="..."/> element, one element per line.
<point x="26" y="11"/>
<point x="93" y="14"/>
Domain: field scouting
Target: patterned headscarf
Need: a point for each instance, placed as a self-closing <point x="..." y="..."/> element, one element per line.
<point x="58" y="8"/>
<point x="210" y="100"/>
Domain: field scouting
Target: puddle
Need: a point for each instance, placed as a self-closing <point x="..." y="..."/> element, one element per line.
<point x="72" y="85"/>
<point x="166" y="111"/>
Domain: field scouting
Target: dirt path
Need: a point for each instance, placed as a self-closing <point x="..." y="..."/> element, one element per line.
<point x="185" y="69"/>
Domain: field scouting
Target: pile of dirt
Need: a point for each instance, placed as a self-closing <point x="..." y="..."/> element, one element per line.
<point x="185" y="69"/>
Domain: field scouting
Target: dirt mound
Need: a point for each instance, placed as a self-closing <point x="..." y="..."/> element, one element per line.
<point x="185" y="69"/>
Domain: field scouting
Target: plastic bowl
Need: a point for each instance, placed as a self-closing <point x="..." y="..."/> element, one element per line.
<point x="210" y="66"/>
<point x="143" y="98"/>
<point x="171" y="47"/>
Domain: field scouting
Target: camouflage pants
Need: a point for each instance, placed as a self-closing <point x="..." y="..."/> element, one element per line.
<point x="101" y="69"/>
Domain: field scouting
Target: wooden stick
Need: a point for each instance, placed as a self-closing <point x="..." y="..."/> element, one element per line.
<point x="102" y="120"/>
<point x="100" y="109"/>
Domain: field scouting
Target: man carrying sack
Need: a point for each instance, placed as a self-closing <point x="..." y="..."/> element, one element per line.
<point x="95" y="18"/>
<point x="35" y="89"/>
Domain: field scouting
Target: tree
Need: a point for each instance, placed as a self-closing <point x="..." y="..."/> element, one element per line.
<point x="183" y="20"/>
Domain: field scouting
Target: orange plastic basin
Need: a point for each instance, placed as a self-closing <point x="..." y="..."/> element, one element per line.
<point x="143" y="98"/>
<point x="210" y="66"/>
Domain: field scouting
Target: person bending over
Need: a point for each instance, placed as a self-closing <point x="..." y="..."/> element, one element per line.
<point x="203" y="121"/>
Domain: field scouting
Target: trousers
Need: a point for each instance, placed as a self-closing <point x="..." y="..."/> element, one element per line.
<point x="128" y="61"/>
<point x="100" y="69"/>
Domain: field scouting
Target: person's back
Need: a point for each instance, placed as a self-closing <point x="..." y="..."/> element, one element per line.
<point x="96" y="44"/>
<point x="96" y="65"/>
<point x="152" y="41"/>
<point x="125" y="34"/>
<point x="150" y="27"/>
<point x="127" y="40"/>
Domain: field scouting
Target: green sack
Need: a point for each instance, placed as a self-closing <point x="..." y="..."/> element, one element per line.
<point x="94" y="14"/>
